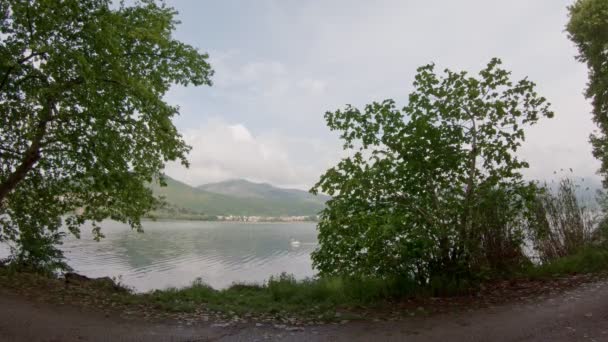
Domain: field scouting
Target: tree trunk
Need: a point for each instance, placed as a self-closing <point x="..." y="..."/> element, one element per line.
<point x="30" y="157"/>
<point x="467" y="224"/>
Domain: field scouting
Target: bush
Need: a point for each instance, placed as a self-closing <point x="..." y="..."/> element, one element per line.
<point x="284" y="294"/>
<point x="563" y="225"/>
<point x="499" y="226"/>
<point x="587" y="260"/>
<point x="431" y="191"/>
<point x="37" y="252"/>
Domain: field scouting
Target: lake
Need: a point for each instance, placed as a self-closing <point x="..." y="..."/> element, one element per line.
<point x="174" y="253"/>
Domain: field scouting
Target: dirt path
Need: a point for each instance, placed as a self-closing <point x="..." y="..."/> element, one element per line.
<point x="576" y="315"/>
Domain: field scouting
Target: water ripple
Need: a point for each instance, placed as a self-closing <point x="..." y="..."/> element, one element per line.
<point x="175" y="253"/>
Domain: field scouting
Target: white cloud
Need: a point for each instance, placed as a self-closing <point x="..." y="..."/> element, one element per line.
<point x="240" y="133"/>
<point x="268" y="83"/>
<point x="250" y="74"/>
<point x="223" y="151"/>
<point x="300" y="59"/>
<point x="313" y="86"/>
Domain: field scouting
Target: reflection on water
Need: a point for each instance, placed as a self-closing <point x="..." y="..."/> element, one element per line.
<point x="175" y="253"/>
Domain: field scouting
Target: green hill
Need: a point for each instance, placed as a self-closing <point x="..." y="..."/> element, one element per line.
<point x="236" y="197"/>
<point x="245" y="189"/>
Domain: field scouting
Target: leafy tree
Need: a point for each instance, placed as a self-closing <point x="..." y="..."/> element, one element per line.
<point x="429" y="189"/>
<point x="588" y="29"/>
<point x="83" y="123"/>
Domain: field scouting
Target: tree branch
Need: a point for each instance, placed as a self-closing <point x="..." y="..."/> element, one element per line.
<point x="30" y="157"/>
<point x="5" y="151"/>
<point x="19" y="62"/>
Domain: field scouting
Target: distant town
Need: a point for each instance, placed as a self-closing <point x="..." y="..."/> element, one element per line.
<point x="237" y="218"/>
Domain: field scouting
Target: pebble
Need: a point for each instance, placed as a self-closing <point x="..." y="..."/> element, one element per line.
<point x="294" y="329"/>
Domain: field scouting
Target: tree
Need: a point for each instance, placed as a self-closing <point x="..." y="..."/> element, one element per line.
<point x="83" y="123"/>
<point x="428" y="189"/>
<point x="588" y="29"/>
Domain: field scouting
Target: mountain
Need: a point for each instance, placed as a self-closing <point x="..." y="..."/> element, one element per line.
<point x="245" y="189"/>
<point x="237" y="197"/>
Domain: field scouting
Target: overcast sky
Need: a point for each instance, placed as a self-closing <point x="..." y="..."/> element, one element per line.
<point x="280" y="65"/>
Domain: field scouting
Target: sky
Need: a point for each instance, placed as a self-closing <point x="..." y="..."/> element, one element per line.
<point x="281" y="64"/>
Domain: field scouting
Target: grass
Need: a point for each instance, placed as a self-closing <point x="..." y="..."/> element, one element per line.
<point x="587" y="260"/>
<point x="313" y="297"/>
<point x="283" y="295"/>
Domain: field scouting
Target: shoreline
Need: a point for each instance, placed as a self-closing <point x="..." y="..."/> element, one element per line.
<point x="509" y="311"/>
<point x="228" y="221"/>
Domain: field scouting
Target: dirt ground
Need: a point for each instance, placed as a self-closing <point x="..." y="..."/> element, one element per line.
<point x="579" y="314"/>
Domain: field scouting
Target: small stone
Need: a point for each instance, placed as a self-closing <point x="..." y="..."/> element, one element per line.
<point x="294" y="329"/>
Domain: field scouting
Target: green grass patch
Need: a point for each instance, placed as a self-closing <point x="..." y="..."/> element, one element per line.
<point x="587" y="260"/>
<point x="284" y="294"/>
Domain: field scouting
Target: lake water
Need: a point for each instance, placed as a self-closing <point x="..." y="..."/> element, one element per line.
<point x="174" y="253"/>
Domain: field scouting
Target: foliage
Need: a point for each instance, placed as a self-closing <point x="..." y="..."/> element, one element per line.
<point x="285" y="294"/>
<point x="433" y="189"/>
<point x="563" y="224"/>
<point x="83" y="123"/>
<point x="588" y="29"/>
<point x="36" y="252"/>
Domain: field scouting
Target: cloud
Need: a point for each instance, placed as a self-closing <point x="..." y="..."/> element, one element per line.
<point x="268" y="81"/>
<point x="223" y="151"/>
<point x="313" y="86"/>
<point x="256" y="75"/>
<point x="281" y="66"/>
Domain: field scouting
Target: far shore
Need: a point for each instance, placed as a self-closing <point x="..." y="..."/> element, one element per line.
<point x="202" y="219"/>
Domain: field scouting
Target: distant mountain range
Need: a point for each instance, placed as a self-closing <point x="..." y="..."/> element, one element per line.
<point x="235" y="198"/>
<point x="240" y="197"/>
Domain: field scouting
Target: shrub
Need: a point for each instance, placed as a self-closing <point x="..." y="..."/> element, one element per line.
<point x="433" y="191"/>
<point x="563" y="225"/>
